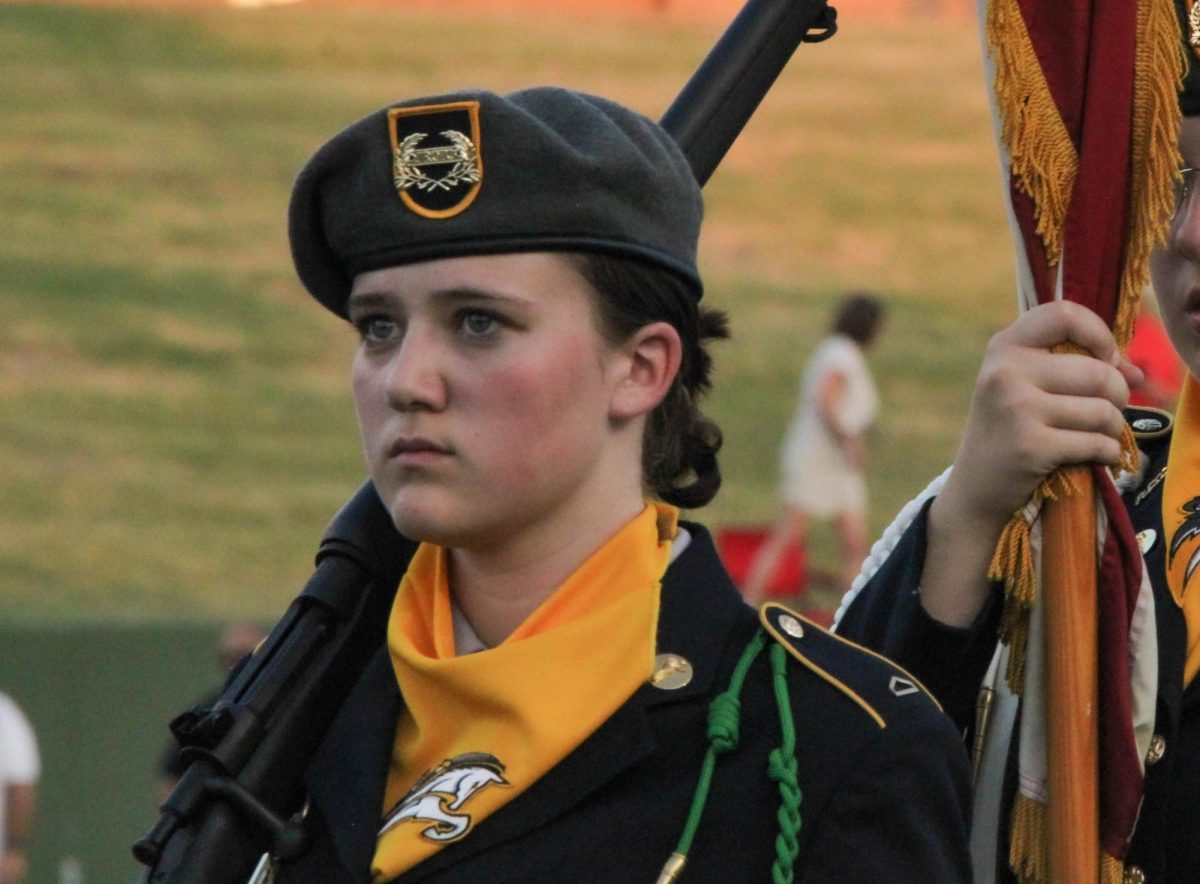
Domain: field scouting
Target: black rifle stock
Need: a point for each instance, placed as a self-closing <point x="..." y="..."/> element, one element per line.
<point x="239" y="795"/>
<point x="248" y="752"/>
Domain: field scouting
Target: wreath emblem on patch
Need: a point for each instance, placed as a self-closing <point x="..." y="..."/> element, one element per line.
<point x="438" y="796"/>
<point x="436" y="162"/>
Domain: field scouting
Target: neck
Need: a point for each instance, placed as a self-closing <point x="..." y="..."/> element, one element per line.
<point x="498" y="587"/>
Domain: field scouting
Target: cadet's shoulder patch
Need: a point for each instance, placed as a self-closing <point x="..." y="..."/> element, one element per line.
<point x="870" y="680"/>
<point x="1148" y="423"/>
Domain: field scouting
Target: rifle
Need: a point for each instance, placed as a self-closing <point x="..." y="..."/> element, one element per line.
<point x="239" y="797"/>
<point x="247" y="753"/>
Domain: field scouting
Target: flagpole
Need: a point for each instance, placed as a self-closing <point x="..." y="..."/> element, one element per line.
<point x="1069" y="594"/>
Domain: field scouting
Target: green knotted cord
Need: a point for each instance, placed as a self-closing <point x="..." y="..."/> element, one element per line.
<point x="723" y="716"/>
<point x="782" y="769"/>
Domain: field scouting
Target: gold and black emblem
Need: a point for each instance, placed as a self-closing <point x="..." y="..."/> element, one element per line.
<point x="439" y="796"/>
<point x="1186" y="534"/>
<point x="436" y="161"/>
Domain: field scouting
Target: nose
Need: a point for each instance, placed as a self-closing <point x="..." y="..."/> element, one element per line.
<point x="415" y="376"/>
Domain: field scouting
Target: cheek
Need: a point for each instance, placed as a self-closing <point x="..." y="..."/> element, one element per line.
<point x="1160" y="273"/>
<point x="545" y="407"/>
<point x="1171" y="279"/>
<point x="368" y="403"/>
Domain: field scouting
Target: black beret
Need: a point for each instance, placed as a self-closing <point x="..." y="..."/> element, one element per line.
<point x="471" y="173"/>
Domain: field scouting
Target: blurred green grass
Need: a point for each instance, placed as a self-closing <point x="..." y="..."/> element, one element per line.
<point x="175" y="424"/>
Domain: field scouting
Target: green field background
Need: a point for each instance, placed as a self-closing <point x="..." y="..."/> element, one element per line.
<point x="175" y="424"/>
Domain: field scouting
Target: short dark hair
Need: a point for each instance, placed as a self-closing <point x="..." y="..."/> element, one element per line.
<point x="859" y="316"/>
<point x="679" y="451"/>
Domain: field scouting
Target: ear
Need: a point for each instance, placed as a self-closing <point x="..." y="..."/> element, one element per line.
<point x="645" y="366"/>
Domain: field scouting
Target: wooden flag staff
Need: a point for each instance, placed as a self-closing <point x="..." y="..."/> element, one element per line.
<point x="1069" y="594"/>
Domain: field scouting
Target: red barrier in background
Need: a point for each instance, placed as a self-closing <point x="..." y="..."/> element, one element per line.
<point x="737" y="547"/>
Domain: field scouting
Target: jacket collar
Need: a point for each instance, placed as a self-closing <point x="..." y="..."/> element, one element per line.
<point x="353" y="762"/>
<point x="698" y="614"/>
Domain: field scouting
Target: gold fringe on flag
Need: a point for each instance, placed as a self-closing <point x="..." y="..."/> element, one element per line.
<point x="1028" y="851"/>
<point x="1012" y="562"/>
<point x="1012" y="565"/>
<point x="1042" y="158"/>
<point x="1154" y="160"/>
<point x="1112" y="870"/>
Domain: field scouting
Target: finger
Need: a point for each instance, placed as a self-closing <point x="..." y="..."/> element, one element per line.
<point x="1084" y="414"/>
<point x="1049" y="324"/>
<point x="1073" y="374"/>
<point x="1134" y="376"/>
<point x="1069" y="447"/>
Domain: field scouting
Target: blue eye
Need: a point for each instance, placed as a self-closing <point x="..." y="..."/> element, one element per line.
<point x="478" y="324"/>
<point x="377" y="329"/>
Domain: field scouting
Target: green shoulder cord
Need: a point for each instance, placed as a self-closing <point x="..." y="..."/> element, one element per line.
<point x="723" y="715"/>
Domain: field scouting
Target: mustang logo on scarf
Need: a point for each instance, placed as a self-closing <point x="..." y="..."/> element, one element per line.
<point x="1189" y="529"/>
<point x="443" y="790"/>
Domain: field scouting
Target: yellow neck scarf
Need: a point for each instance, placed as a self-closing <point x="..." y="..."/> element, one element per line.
<point x="1181" y="519"/>
<point x="481" y="728"/>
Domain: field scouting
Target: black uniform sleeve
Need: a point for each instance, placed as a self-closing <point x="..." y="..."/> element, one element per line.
<point x="887" y="616"/>
<point x="903" y="816"/>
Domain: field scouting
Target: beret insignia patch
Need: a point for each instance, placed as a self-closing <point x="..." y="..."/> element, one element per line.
<point x="436" y="162"/>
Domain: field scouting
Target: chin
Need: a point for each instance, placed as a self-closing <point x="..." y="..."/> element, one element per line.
<point x="421" y="519"/>
<point x="418" y="525"/>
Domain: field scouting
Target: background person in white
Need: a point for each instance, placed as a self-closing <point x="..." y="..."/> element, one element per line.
<point x="20" y="767"/>
<point x="824" y="457"/>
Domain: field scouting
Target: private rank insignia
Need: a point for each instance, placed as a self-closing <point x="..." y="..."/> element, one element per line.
<point x="436" y="162"/>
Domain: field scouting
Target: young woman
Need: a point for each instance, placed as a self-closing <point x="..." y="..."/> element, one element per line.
<point x="824" y="455"/>
<point x="931" y="606"/>
<point x="571" y="688"/>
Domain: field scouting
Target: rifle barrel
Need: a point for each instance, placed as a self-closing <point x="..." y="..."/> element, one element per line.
<point x="730" y="83"/>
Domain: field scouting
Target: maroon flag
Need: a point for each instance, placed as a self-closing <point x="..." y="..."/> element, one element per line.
<point x="1084" y="93"/>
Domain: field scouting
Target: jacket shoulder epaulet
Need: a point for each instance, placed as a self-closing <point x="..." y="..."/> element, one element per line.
<point x="1148" y="423"/>
<point x="871" y="681"/>
<point x="1142" y="490"/>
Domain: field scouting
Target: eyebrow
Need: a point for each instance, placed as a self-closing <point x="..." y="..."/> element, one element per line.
<point x="371" y="298"/>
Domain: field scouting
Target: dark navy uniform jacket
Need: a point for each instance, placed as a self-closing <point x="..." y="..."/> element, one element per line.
<point x="887" y="615"/>
<point x="882" y="770"/>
